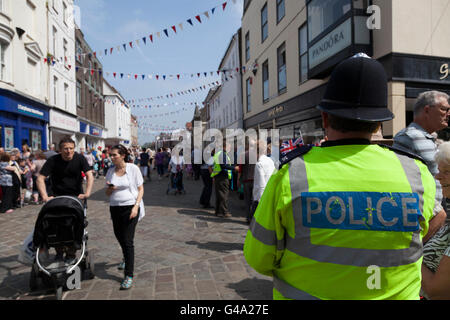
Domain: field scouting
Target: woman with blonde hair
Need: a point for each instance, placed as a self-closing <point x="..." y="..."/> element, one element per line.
<point x="436" y="252"/>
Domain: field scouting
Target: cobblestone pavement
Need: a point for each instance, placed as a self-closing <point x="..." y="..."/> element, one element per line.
<point x="181" y="251"/>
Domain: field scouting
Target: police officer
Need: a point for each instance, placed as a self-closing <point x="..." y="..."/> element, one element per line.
<point x="345" y="220"/>
<point x="222" y="175"/>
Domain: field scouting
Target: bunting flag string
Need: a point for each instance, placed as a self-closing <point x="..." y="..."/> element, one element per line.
<point x="175" y="94"/>
<point x="141" y="106"/>
<point x="121" y="75"/>
<point x="167" y="31"/>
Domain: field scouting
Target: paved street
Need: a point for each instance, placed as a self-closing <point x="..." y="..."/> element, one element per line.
<point x="182" y="252"/>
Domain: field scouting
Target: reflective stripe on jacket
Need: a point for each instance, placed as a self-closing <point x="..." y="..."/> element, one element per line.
<point x="217" y="168"/>
<point x="343" y="222"/>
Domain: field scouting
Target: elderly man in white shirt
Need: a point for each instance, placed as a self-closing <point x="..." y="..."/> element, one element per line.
<point x="264" y="169"/>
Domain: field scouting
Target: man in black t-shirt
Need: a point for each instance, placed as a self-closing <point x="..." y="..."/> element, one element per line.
<point x="65" y="173"/>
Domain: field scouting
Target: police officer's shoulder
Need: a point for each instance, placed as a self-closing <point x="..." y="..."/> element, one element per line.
<point x="403" y="152"/>
<point x="297" y="152"/>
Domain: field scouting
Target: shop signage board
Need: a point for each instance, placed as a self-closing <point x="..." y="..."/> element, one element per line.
<point x="62" y="121"/>
<point x="334" y="42"/>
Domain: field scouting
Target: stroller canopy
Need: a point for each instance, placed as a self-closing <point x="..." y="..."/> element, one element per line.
<point x="64" y="207"/>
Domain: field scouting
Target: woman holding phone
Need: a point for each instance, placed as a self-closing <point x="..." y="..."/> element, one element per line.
<point x="125" y="191"/>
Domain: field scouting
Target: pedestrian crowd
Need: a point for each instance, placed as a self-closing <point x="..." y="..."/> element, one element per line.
<point x="306" y="229"/>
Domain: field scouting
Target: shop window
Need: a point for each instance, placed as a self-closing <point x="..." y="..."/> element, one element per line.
<point x="303" y="53"/>
<point x="324" y="13"/>
<point x="9" y="138"/>
<point x="280" y="10"/>
<point x="265" y="76"/>
<point x="264" y="24"/>
<point x="36" y="139"/>
<point x="281" y="57"/>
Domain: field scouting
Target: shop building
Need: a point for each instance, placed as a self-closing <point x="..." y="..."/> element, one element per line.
<point x="61" y="70"/>
<point x="24" y="107"/>
<point x="230" y="94"/>
<point x="118" y="117"/>
<point x="290" y="48"/>
<point x="89" y="96"/>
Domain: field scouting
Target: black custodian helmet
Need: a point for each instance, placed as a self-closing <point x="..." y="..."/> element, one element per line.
<point x="358" y="90"/>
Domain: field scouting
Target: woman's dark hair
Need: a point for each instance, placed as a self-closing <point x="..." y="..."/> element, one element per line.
<point x="122" y="151"/>
<point x="5" y="157"/>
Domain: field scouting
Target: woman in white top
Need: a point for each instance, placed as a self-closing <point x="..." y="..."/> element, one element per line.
<point x="125" y="191"/>
<point x="264" y="169"/>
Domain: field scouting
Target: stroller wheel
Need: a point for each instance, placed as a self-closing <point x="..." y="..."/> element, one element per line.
<point x="33" y="280"/>
<point x="59" y="292"/>
<point x="88" y="273"/>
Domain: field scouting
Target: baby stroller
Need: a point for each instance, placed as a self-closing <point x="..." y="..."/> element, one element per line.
<point x="61" y="223"/>
<point x="176" y="183"/>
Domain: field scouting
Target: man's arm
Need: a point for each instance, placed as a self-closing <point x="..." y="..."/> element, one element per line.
<point x="40" y="182"/>
<point x="89" y="184"/>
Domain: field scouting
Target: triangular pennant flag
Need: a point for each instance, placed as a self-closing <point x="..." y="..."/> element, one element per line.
<point x="100" y="72"/>
<point x="106" y="52"/>
<point x="213" y="10"/>
<point x="114" y="74"/>
<point x="143" y="76"/>
<point x="158" y="34"/>
<point x="174" y="29"/>
<point x="95" y="55"/>
<point x="165" y="31"/>
<point x="131" y="44"/>
<point x="198" y="74"/>
<point x="224" y="5"/>
<point x="125" y="47"/>
<point x="76" y="68"/>
<point x="121" y="75"/>
<point x="157" y="77"/>
<point x="198" y="18"/>
<point x="190" y="22"/>
<point x="137" y="42"/>
<point x="151" y="38"/>
<point x="180" y="25"/>
<point x="164" y="77"/>
<point x="111" y="50"/>
<point x="205" y="74"/>
<point x="178" y="76"/>
<point x="92" y="72"/>
<point x="206" y="14"/>
<point x="145" y="40"/>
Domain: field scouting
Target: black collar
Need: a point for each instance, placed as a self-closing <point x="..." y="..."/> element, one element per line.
<point x="345" y="142"/>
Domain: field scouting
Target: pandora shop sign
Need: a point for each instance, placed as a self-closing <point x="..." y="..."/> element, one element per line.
<point x="337" y="40"/>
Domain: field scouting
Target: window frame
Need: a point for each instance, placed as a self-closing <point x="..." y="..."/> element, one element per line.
<point x="266" y="24"/>
<point x="279" y="2"/>
<point x="248" y="97"/>
<point x="281" y="48"/>
<point x="247" y="47"/>
<point x="304" y="54"/>
<point x="265" y="67"/>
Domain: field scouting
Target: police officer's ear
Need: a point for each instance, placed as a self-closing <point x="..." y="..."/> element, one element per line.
<point x="325" y="120"/>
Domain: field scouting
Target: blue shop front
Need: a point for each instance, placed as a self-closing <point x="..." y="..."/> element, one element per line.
<point x="22" y="120"/>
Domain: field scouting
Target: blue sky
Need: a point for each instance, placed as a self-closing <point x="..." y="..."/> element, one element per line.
<point x="197" y="48"/>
